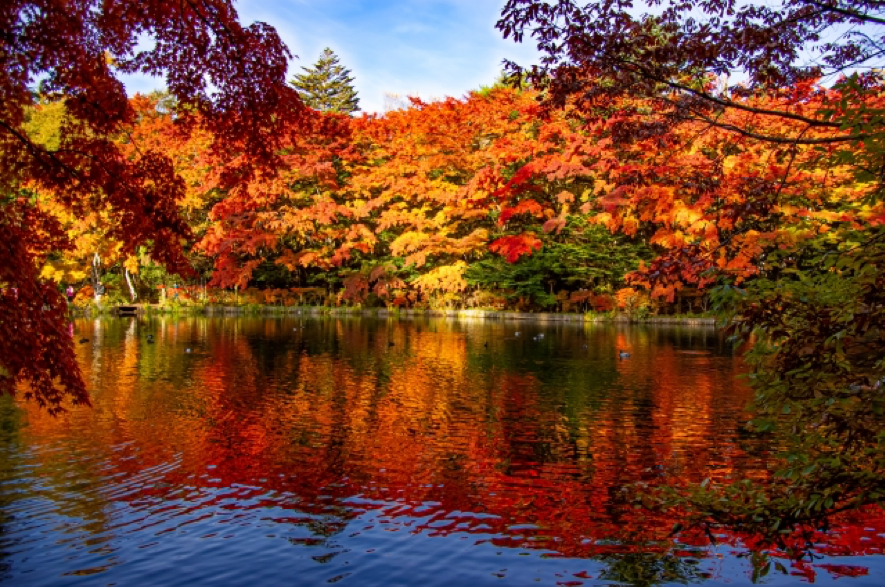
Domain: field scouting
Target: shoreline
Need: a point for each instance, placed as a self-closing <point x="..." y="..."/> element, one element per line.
<point x="491" y="315"/>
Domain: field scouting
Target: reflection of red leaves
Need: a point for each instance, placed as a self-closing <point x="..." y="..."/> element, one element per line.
<point x="513" y="247"/>
<point x="845" y="570"/>
<point x="523" y="503"/>
<point x="800" y="569"/>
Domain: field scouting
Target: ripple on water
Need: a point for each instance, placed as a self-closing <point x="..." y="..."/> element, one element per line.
<point x="324" y="455"/>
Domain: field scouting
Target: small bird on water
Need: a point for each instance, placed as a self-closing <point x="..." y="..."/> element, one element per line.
<point x="150" y="338"/>
<point x="623" y="354"/>
<point x="82" y="340"/>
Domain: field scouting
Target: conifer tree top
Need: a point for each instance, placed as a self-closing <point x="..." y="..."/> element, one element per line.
<point x="327" y="86"/>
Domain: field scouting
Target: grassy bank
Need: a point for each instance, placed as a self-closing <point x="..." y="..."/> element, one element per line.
<point x="473" y="314"/>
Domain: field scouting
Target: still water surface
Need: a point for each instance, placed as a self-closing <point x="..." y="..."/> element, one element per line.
<point x="366" y="452"/>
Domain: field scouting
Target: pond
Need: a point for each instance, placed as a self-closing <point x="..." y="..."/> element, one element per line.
<point x="374" y="452"/>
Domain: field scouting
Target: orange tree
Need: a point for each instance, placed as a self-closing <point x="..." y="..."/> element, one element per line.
<point x="359" y="199"/>
<point x="225" y="77"/>
<point x="293" y="214"/>
<point x="425" y="177"/>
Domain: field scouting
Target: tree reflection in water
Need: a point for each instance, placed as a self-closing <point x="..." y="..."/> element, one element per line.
<point x="326" y="435"/>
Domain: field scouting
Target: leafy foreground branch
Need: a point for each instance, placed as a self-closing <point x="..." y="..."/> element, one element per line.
<point x="818" y="370"/>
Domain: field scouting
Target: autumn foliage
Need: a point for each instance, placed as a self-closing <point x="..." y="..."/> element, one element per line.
<point x="225" y="79"/>
<point x="494" y="199"/>
<point x="421" y="194"/>
<point x="399" y="207"/>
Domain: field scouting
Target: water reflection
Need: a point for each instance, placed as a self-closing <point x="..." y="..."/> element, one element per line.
<point x="384" y="452"/>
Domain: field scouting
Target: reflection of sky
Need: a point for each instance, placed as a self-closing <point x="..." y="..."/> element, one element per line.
<point x="432" y="48"/>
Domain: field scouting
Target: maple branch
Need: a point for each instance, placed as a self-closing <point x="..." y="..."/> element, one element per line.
<point x="857" y="62"/>
<point x="726" y="103"/>
<point x="101" y="112"/>
<point x="782" y="140"/>
<point x="210" y="9"/>
<point x="845" y="12"/>
<point x="38" y="152"/>
<point x="702" y="131"/>
<point x="793" y="153"/>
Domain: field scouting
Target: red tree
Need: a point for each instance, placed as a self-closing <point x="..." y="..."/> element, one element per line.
<point x="225" y="77"/>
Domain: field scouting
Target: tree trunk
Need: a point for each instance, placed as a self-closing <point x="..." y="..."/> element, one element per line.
<point x="131" y="288"/>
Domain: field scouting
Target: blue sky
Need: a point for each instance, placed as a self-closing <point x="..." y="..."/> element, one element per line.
<point x="429" y="48"/>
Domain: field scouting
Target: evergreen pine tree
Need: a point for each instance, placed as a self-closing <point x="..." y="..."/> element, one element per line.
<point x="327" y="86"/>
